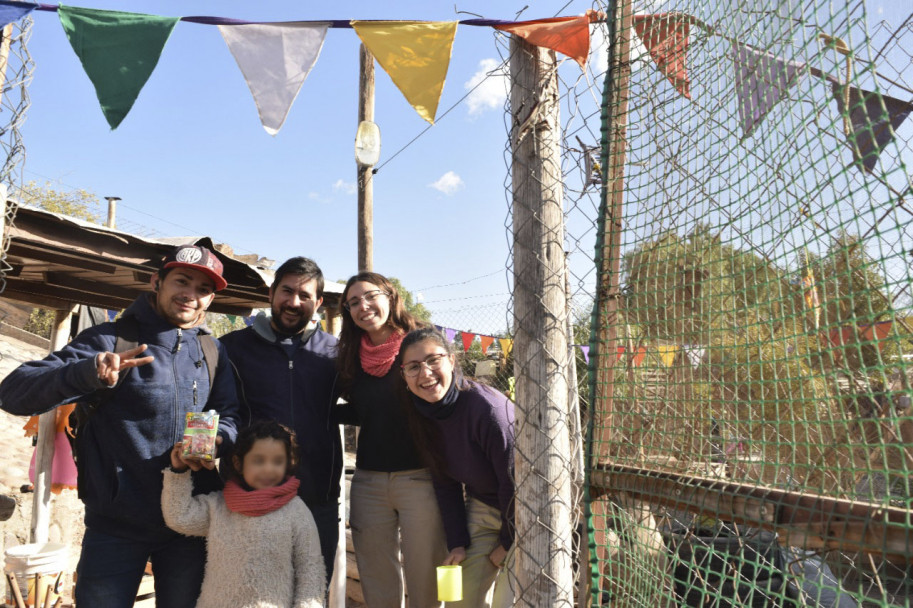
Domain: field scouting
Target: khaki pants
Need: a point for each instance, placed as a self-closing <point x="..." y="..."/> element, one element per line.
<point x="393" y="512"/>
<point x="483" y="583"/>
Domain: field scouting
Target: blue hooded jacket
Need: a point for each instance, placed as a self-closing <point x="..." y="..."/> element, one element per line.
<point x="125" y="444"/>
<point x="298" y="391"/>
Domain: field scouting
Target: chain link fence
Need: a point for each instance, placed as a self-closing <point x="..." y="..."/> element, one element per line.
<point x="16" y="68"/>
<point x="752" y="425"/>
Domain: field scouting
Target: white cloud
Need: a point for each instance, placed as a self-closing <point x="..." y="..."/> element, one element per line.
<point x="492" y="91"/>
<point x="345" y="187"/>
<point x="316" y="196"/>
<point x="449" y="183"/>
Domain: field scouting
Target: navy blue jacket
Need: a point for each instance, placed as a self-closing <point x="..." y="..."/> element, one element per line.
<point x="125" y="445"/>
<point x="297" y="390"/>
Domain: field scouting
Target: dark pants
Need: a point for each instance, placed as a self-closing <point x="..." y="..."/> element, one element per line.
<point x="327" y="520"/>
<point x="110" y="569"/>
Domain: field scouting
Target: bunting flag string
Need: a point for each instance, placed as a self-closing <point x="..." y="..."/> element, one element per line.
<point x="874" y="118"/>
<point x="275" y="61"/>
<point x="416" y="56"/>
<point x="118" y="51"/>
<point x="665" y="36"/>
<point x="467" y="340"/>
<point x="567" y="35"/>
<point x="761" y="81"/>
<point x="667" y="354"/>
<point x="506" y="345"/>
<point x="14" y="11"/>
<point x="585" y="349"/>
<point x="450" y="334"/>
<point x="485" y="341"/>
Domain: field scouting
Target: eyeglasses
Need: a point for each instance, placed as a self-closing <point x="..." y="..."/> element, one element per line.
<point x="369" y="297"/>
<point x="432" y="362"/>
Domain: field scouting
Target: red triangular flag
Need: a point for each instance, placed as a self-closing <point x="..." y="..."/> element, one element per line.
<point x="568" y="35"/>
<point x="467" y="340"/>
<point x="486" y="342"/>
<point x="665" y="37"/>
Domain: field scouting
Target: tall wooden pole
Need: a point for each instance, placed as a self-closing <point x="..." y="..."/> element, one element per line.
<point x="44" y="450"/>
<point x="366" y="172"/>
<point x="543" y="547"/>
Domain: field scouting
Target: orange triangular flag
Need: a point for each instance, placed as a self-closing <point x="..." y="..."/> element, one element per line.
<point x="568" y="35"/>
<point x="665" y="37"/>
<point x="486" y="342"/>
<point x="467" y="340"/>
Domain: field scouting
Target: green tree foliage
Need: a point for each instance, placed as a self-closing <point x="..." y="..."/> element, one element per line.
<point x="222" y="324"/>
<point x="40" y="322"/>
<point x="75" y="203"/>
<point x="416" y="308"/>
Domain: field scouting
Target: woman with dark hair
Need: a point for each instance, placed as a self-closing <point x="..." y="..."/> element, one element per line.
<point x="391" y="490"/>
<point x="465" y="432"/>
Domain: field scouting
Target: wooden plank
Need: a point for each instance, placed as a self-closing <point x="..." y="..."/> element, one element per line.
<point x="804" y="520"/>
<point x="53" y="256"/>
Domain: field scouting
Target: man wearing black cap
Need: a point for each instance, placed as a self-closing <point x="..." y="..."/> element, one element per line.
<point x="136" y="416"/>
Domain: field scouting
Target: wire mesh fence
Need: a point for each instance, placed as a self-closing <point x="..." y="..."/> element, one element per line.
<point x="16" y="68"/>
<point x="751" y="429"/>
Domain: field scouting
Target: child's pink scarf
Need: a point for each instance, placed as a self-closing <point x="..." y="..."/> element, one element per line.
<point x="259" y="502"/>
<point x="377" y="360"/>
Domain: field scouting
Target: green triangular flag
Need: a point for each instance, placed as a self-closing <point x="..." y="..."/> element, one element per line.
<point x="118" y="51"/>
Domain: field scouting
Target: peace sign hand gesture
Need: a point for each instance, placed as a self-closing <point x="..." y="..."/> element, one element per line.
<point x="109" y="365"/>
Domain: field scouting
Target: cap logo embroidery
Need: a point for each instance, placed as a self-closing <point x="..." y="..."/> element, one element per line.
<point x="189" y="255"/>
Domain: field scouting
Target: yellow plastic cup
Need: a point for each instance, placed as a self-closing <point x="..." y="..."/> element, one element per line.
<point x="449" y="583"/>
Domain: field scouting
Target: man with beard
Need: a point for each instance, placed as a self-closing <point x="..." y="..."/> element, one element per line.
<point x="285" y="366"/>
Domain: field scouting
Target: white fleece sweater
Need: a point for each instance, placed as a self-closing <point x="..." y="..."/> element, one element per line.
<point x="271" y="561"/>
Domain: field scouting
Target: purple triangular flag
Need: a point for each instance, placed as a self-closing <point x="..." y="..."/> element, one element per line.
<point x="450" y="334"/>
<point x="586" y="353"/>
<point x="875" y="118"/>
<point x="111" y="314"/>
<point x="248" y="320"/>
<point x="761" y="81"/>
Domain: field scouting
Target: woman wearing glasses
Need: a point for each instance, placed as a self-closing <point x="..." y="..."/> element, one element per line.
<point x="392" y="499"/>
<point x="465" y="433"/>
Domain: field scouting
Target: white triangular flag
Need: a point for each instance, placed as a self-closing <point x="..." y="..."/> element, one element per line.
<point x="275" y="59"/>
<point x="695" y="353"/>
<point x="761" y="80"/>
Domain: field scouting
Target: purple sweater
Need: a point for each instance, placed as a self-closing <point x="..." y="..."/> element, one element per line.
<point x="477" y="442"/>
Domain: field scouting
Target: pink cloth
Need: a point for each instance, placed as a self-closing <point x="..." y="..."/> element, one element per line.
<point x="259" y="502"/>
<point x="63" y="468"/>
<point x="377" y="360"/>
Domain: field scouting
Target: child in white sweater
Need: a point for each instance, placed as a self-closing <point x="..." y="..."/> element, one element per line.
<point x="261" y="539"/>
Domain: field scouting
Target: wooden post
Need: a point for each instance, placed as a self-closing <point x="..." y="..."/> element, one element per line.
<point x="615" y="114"/>
<point x="44" y="450"/>
<point x="543" y="547"/>
<point x="603" y="355"/>
<point x="366" y="172"/>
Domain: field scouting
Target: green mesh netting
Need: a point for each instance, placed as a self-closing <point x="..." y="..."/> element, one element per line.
<point x="751" y="436"/>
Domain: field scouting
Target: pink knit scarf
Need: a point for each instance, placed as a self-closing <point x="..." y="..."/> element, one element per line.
<point x="377" y="360"/>
<point x="259" y="502"/>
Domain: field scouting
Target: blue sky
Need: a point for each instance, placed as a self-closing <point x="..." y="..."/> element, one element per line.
<point x="192" y="158"/>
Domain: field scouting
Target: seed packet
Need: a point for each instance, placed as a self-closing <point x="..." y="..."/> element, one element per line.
<point x="200" y="435"/>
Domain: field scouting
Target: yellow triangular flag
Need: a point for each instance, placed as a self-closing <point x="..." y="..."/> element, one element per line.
<point x="506" y="345"/>
<point x="667" y="354"/>
<point x="415" y="54"/>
